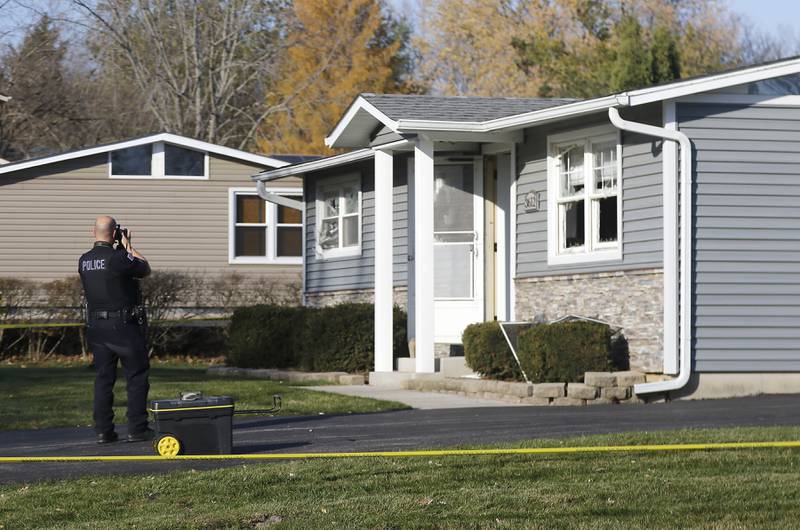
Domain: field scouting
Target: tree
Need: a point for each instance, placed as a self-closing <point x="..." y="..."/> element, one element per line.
<point x="203" y="68"/>
<point x="664" y="62"/>
<point x="632" y="66"/>
<point x="465" y="46"/>
<point x="38" y="117"/>
<point x="570" y="48"/>
<point x="338" y="49"/>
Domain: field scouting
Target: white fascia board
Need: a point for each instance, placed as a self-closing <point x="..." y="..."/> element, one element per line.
<point x="314" y="165"/>
<point x="173" y="139"/>
<point x="710" y="83"/>
<point x="200" y="145"/>
<point x="4" y="98"/>
<point x="360" y="104"/>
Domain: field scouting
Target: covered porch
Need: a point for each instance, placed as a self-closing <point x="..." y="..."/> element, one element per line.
<point x="460" y="206"/>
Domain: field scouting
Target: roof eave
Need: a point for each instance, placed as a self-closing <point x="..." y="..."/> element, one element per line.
<point x="314" y="165"/>
<point x="713" y="82"/>
<point x="174" y="139"/>
<point x="359" y="106"/>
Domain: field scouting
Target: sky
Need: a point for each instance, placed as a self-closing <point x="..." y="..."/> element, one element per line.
<point x="773" y="16"/>
<point x="769" y="15"/>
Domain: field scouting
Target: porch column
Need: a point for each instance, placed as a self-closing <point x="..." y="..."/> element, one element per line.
<point x="423" y="254"/>
<point x="383" y="261"/>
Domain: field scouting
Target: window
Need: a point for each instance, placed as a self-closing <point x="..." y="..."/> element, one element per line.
<point x="264" y="232"/>
<point x="584" y="174"/>
<point x="338" y="211"/>
<point x="132" y="161"/>
<point x="183" y="162"/>
<point x="158" y="160"/>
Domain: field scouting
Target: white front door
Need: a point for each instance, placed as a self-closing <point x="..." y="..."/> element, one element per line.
<point x="457" y="246"/>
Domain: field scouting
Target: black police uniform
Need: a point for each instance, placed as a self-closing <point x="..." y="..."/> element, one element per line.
<point x="115" y="331"/>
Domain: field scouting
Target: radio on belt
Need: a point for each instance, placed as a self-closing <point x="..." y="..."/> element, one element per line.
<point x="198" y="425"/>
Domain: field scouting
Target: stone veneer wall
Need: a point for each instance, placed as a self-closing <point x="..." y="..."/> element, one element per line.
<point x="356" y="296"/>
<point x="632" y="300"/>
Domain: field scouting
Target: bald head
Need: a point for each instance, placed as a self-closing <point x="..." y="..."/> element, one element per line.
<point x="104" y="227"/>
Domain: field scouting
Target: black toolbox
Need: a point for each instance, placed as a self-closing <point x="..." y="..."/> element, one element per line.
<point x="193" y="425"/>
<point x="198" y="425"/>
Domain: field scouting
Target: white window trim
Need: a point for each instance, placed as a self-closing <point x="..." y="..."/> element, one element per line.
<point x="333" y="253"/>
<point x="271" y="215"/>
<point x="591" y="252"/>
<point x="157" y="166"/>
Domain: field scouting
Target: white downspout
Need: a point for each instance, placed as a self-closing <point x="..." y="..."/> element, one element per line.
<point x="261" y="189"/>
<point x="684" y="349"/>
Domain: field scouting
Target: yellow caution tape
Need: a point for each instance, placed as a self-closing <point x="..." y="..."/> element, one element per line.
<point x="404" y="454"/>
<point x="34" y="325"/>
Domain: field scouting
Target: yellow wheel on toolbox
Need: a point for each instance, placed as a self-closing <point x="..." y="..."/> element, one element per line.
<point x="168" y="445"/>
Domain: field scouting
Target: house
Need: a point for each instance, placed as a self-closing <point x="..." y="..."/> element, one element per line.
<point x="669" y="211"/>
<point x="190" y="204"/>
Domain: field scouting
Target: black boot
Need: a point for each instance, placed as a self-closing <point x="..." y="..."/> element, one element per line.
<point x="107" y="437"/>
<point x="142" y="436"/>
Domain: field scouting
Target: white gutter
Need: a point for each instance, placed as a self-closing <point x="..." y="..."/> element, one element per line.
<point x="684" y="350"/>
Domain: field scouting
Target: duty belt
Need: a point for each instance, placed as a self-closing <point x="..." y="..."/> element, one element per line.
<point x="105" y="315"/>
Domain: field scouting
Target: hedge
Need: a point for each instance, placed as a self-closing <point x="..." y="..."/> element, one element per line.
<point x="487" y="353"/>
<point x="334" y="338"/>
<point x="264" y="336"/>
<point x="564" y="351"/>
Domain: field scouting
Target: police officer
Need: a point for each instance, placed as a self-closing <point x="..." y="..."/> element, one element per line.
<point x="115" y="327"/>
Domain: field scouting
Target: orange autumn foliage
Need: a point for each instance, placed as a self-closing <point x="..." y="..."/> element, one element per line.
<point x="340" y="48"/>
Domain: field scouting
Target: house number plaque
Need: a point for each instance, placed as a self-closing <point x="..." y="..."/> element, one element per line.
<point x="532" y="201"/>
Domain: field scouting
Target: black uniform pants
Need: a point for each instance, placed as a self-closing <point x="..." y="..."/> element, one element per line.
<point x="110" y="341"/>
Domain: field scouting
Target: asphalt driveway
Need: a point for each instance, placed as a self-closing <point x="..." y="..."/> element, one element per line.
<point x="408" y="429"/>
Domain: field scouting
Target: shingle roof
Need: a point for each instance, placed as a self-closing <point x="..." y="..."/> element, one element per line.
<point x="457" y="109"/>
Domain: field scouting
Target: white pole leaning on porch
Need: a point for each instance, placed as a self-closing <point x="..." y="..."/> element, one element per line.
<point x="423" y="255"/>
<point x="383" y="261"/>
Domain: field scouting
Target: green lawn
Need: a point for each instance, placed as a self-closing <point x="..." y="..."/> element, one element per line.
<point x="36" y="397"/>
<point x="698" y="489"/>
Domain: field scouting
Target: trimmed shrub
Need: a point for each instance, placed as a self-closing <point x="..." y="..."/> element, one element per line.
<point x="565" y="351"/>
<point x="341" y="338"/>
<point x="487" y="353"/>
<point x="265" y="336"/>
<point x="334" y="338"/>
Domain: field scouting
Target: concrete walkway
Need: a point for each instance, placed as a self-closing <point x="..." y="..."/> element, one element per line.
<point x="414" y="398"/>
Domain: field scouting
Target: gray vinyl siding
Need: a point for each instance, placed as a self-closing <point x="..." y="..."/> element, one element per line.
<point x="384" y="135"/>
<point x="747" y="237"/>
<point x="642" y="225"/>
<point x="357" y="272"/>
<point x="46" y="214"/>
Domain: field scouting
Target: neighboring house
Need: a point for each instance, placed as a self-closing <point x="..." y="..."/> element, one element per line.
<point x="469" y="209"/>
<point x="191" y="206"/>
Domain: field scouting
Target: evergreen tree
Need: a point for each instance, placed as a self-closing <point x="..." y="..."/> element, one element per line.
<point x="632" y="64"/>
<point x="665" y="65"/>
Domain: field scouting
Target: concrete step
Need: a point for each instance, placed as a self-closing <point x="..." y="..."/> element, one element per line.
<point x="454" y="367"/>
